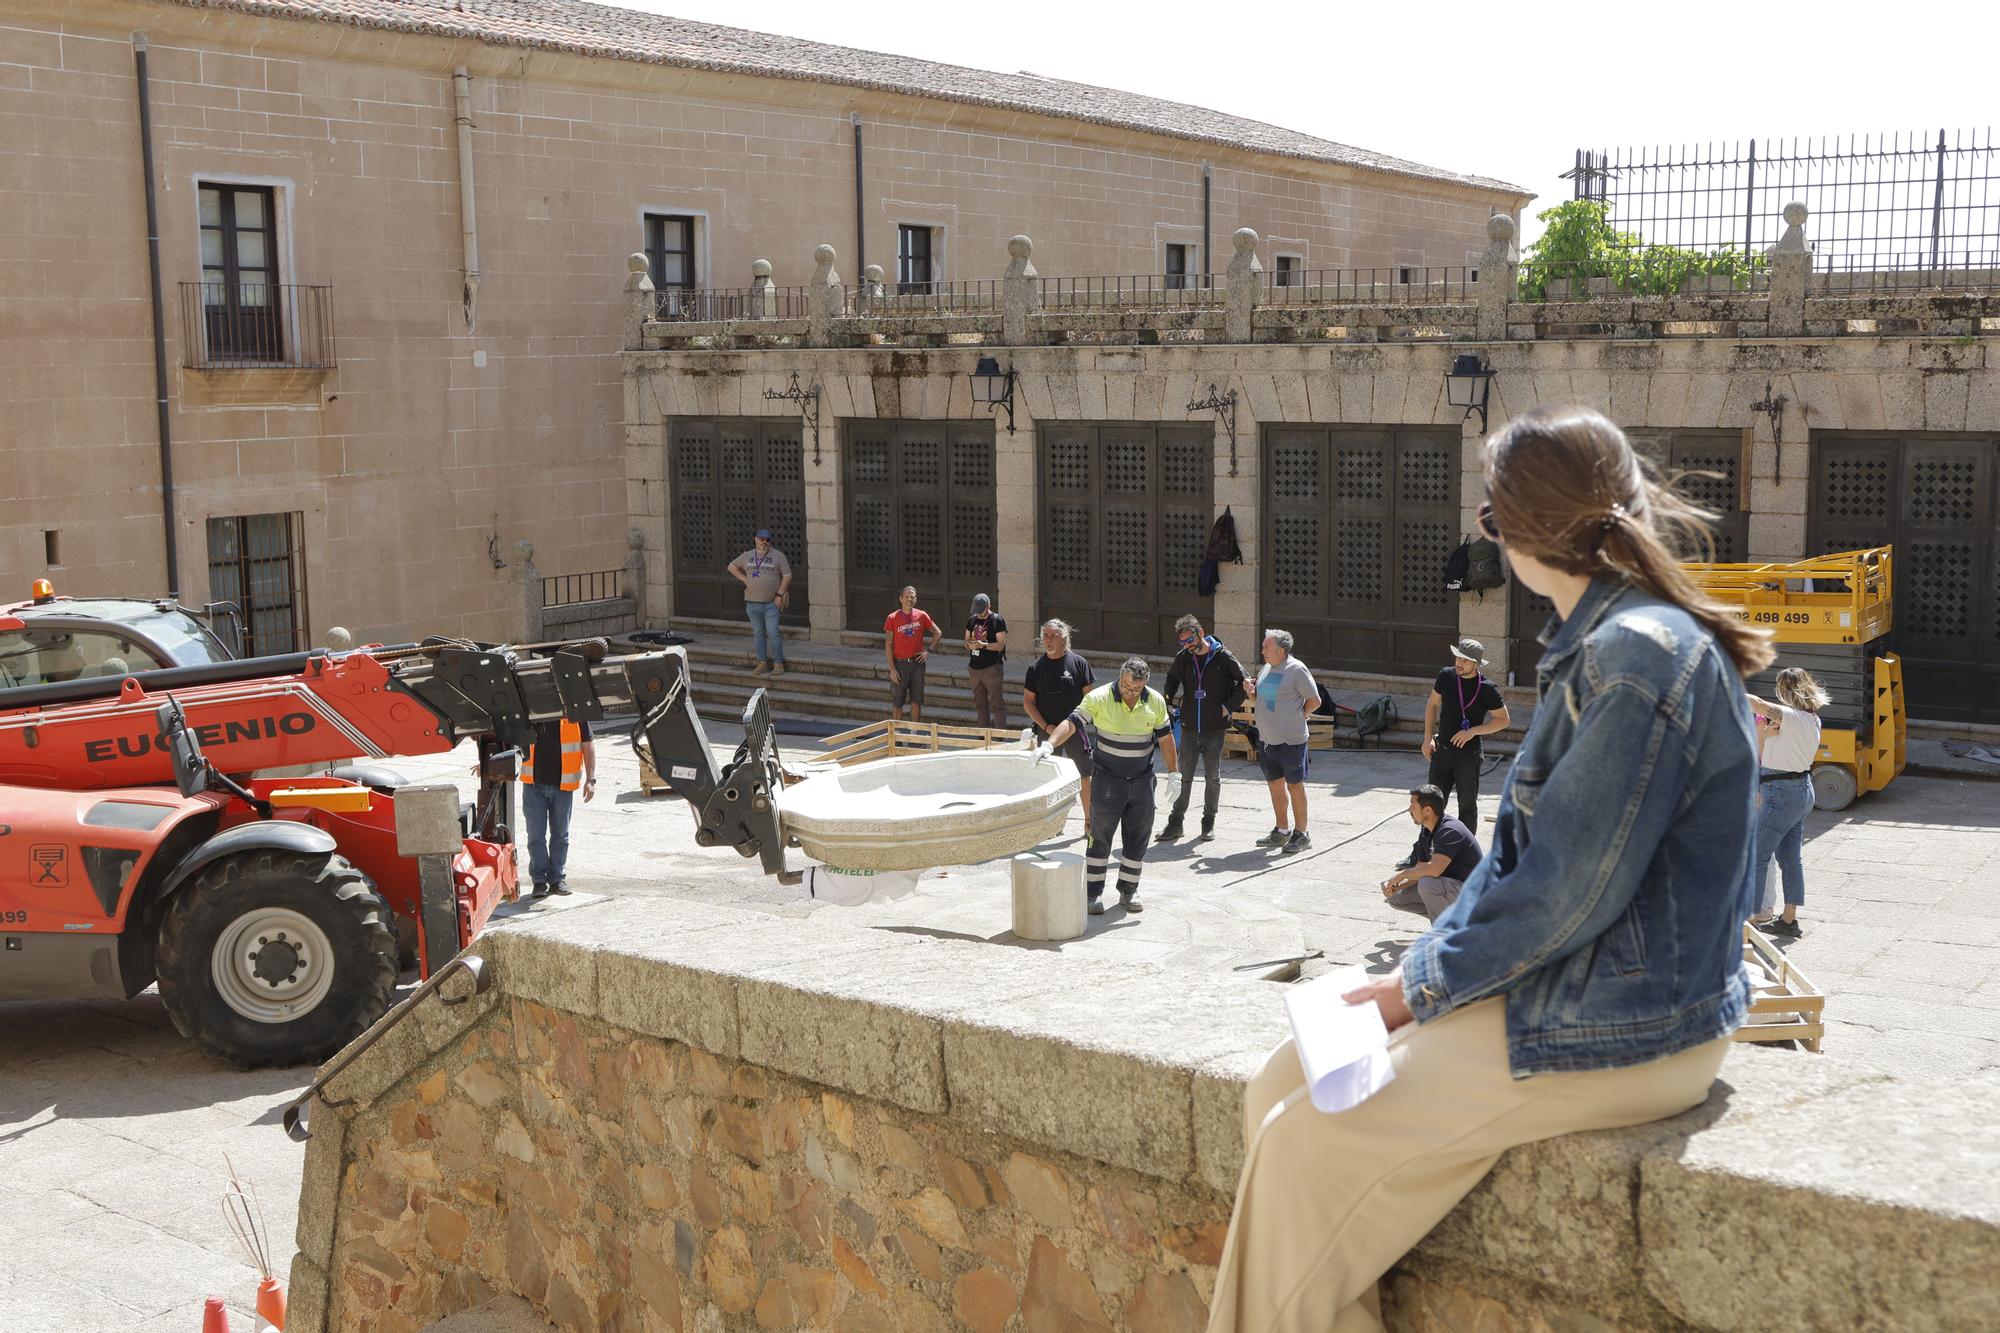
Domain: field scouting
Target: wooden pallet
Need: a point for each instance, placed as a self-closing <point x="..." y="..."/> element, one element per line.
<point x="1784" y="1004"/>
<point x="1322" y="733"/>
<point x="888" y="738"/>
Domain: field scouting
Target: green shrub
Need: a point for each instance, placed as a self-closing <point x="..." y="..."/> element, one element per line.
<point x="1580" y="244"/>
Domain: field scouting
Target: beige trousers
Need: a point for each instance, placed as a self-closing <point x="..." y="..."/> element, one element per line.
<point x="1328" y="1203"/>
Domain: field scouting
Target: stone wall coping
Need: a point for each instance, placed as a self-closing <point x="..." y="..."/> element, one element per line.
<point x="1804" y="1190"/>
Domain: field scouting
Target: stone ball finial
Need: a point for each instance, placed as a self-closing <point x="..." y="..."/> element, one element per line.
<point x="823" y="255"/>
<point x="1020" y="247"/>
<point x="1500" y="227"/>
<point x="338" y="639"/>
<point x="524" y="551"/>
<point x="1795" y="214"/>
<point x="873" y="273"/>
<point x="760" y="268"/>
<point x="1245" y="240"/>
<point x="635" y="538"/>
<point x="636" y="262"/>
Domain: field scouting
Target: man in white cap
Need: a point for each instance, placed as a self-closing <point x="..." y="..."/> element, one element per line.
<point x="1463" y="706"/>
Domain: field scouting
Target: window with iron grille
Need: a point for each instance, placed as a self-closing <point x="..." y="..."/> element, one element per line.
<point x="258" y="563"/>
<point x="240" y="296"/>
<point x="1179" y="264"/>
<point x="914" y="271"/>
<point x="670" y="251"/>
<point x="1288" y="271"/>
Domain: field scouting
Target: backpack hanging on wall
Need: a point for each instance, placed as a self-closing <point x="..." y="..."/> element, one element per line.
<point x="1474" y="566"/>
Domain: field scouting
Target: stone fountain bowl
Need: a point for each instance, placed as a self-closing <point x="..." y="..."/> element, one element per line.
<point x="919" y="811"/>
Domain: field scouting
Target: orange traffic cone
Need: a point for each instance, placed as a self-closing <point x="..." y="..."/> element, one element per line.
<point x="214" y="1317"/>
<point x="270" y="1305"/>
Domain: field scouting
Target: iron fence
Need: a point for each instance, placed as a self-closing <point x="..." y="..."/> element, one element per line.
<point x="1145" y="291"/>
<point x="716" y="304"/>
<point x="1963" y="271"/>
<point x="1904" y="199"/>
<point x="925" y="297"/>
<point x="600" y="585"/>
<point x="1396" y="284"/>
<point x="256" y="325"/>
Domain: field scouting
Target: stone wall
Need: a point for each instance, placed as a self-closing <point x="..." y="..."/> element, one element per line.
<point x="1651" y="387"/>
<point x="450" y="429"/>
<point x="666" y="1116"/>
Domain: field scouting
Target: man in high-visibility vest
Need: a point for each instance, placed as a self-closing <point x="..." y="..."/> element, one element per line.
<point x="1129" y="722"/>
<point x="562" y="759"/>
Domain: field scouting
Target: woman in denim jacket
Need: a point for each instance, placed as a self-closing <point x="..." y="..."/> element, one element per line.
<point x="1590" y="973"/>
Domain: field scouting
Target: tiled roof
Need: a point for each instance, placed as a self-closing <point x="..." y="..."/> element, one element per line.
<point x="625" y="34"/>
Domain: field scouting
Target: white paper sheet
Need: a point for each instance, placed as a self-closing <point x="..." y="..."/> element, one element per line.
<point x="1343" y="1047"/>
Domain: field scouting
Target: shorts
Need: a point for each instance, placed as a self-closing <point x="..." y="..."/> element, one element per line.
<point x="1283" y="762"/>
<point x="908" y="686"/>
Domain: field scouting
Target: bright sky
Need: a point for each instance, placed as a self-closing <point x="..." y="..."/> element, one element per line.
<point x="1502" y="90"/>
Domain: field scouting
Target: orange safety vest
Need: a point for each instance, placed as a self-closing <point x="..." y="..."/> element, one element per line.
<point x="572" y="758"/>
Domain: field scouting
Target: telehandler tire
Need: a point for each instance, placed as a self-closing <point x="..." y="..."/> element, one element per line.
<point x="273" y="958"/>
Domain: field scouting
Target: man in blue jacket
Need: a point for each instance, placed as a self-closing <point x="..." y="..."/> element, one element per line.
<point x="1207" y="683"/>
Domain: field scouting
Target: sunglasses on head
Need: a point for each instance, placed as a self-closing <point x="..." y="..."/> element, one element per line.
<point x="1487" y="523"/>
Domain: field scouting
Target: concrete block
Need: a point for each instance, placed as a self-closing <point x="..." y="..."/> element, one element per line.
<point x="427" y="820"/>
<point x="1049" y="899"/>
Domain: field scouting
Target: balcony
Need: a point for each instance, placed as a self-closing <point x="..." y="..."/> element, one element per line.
<point x="254" y="326"/>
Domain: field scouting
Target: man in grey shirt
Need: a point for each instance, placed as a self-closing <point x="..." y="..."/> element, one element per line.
<point x="766" y="577"/>
<point x="1286" y="692"/>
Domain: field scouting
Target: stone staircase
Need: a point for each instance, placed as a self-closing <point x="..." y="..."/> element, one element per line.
<point x="846" y="684"/>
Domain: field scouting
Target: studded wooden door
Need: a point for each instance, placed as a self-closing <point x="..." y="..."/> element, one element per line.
<point x="1359" y="524"/>
<point x="730" y="478"/>
<point x="1937" y="500"/>
<point x="1125" y="515"/>
<point x="920" y="511"/>
<point x="1708" y="468"/>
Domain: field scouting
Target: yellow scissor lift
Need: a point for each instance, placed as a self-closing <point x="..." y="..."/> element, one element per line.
<point x="1829" y="614"/>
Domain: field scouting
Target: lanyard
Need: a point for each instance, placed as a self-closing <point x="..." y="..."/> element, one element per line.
<point x="1458" y="683"/>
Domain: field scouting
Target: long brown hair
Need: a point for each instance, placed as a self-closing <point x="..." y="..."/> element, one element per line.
<point x="1797" y="689"/>
<point x="1567" y="489"/>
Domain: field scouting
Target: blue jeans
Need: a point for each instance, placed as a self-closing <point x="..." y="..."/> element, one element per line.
<point x="763" y="630"/>
<point x="547" y="810"/>
<point x="1781" y="832"/>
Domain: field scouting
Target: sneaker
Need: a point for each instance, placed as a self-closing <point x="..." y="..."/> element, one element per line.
<point x="1275" y="838"/>
<point x="760" y="668"/>
<point x="1207" y="831"/>
<point x="560" y="888"/>
<point x="1173" y="832"/>
<point x="1780" y="926"/>
<point x="1298" y="842"/>
<point x="1131" y="903"/>
<point x="777" y="668"/>
<point x="540" y="891"/>
<point x="1097" y="907"/>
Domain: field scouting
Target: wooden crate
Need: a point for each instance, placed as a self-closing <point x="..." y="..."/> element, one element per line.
<point x="1784" y="1004"/>
<point x="1321" y="734"/>
<point x="887" y="739"/>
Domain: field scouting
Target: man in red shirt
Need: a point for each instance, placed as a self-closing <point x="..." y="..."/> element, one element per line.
<point x="911" y="636"/>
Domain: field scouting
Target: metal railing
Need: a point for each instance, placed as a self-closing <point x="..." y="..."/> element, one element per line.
<point x="599" y="585"/>
<point x="1145" y="291"/>
<point x="256" y="325"/>
<point x="716" y="304"/>
<point x="1395" y="284"/>
<point x="944" y="298"/>
<point x="1903" y="273"/>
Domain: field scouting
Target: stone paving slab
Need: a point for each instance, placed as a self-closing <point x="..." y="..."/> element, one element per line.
<point x="112" y="1130"/>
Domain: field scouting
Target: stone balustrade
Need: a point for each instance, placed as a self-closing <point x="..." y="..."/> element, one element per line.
<point x="1480" y="301"/>
<point x="673" y="1116"/>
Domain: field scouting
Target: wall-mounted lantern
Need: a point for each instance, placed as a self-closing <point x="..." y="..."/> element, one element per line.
<point x="994" y="387"/>
<point x="1466" y="384"/>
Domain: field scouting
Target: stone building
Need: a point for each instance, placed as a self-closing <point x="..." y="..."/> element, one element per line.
<point x="389" y="308"/>
<point x="1815" y="412"/>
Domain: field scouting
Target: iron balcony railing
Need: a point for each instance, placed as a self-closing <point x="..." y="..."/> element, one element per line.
<point x="599" y="585"/>
<point x="939" y="298"/>
<point x="717" y="304"/>
<point x="1397" y="284"/>
<point x="256" y="325"/>
<point x="1144" y="291"/>
<point x="1906" y="273"/>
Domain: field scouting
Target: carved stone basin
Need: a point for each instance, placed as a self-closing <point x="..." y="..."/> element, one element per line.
<point x="918" y="811"/>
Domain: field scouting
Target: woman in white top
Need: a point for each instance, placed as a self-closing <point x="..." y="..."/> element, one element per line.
<point x="1788" y="734"/>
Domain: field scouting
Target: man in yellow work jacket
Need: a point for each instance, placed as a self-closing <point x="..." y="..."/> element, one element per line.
<point x="1128" y="723"/>
<point x="562" y="759"/>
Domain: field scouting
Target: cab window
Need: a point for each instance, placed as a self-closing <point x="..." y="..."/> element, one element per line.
<point x="40" y="656"/>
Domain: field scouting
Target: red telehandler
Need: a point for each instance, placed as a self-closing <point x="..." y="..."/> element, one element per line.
<point x="135" y="846"/>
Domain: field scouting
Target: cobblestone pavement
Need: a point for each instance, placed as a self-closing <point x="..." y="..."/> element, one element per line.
<point x="113" y="1132"/>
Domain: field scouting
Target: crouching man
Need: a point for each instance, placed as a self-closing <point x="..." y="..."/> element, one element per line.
<point x="1440" y="863"/>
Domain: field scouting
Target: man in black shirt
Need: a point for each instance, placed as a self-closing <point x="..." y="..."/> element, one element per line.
<point x="1055" y="685"/>
<point x="986" y="646"/>
<point x="1443" y="859"/>
<point x="1207" y="683"/>
<point x="1463" y="706"/>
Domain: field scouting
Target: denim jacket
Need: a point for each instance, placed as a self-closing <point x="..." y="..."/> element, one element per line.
<point x="1610" y="908"/>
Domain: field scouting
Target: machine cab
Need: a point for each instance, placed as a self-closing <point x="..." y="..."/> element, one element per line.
<point x="50" y="639"/>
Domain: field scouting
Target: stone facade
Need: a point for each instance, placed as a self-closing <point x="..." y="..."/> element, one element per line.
<point x="456" y="423"/>
<point x="668" y="1116"/>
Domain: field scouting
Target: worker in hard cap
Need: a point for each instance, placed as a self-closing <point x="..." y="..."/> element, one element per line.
<point x="1129" y="722"/>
